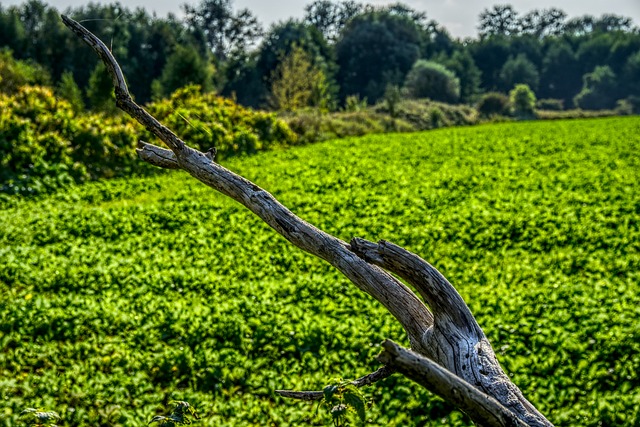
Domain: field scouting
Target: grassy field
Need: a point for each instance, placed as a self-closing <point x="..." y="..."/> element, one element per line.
<point x="119" y="296"/>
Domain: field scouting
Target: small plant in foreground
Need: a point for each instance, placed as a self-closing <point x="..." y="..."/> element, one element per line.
<point x="180" y="415"/>
<point x="342" y="399"/>
<point x="38" y="418"/>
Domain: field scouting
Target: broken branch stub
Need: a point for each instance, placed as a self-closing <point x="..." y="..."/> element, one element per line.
<point x="450" y="336"/>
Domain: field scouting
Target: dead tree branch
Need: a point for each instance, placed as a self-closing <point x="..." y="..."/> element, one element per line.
<point x="482" y="408"/>
<point x="450" y="336"/>
<point x="379" y="375"/>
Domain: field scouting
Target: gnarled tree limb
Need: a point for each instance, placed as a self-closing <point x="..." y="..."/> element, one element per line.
<point x="450" y="336"/>
<point x="456" y="341"/>
<point x="481" y="407"/>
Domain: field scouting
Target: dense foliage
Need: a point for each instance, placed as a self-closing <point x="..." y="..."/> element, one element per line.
<point x="206" y="121"/>
<point x="428" y="79"/>
<point x="45" y="144"/>
<point x="407" y="116"/>
<point x="523" y="101"/>
<point x="117" y="297"/>
<point x="493" y="103"/>
<point x="361" y="49"/>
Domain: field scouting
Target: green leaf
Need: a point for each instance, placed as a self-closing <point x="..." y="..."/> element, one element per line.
<point x="357" y="401"/>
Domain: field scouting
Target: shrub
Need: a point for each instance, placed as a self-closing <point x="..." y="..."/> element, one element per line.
<point x="424" y="114"/>
<point x="550" y="104"/>
<point x="634" y="101"/>
<point x="354" y="103"/>
<point x="523" y="101"/>
<point x="624" y="107"/>
<point x="493" y="103"/>
<point x="45" y="145"/>
<point x="313" y="127"/>
<point x="436" y="116"/>
<point x="207" y="120"/>
<point x="431" y="80"/>
<point x="185" y="66"/>
<point x="574" y="114"/>
<point x="392" y="96"/>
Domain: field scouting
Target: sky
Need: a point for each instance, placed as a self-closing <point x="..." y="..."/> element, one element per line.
<point x="460" y="17"/>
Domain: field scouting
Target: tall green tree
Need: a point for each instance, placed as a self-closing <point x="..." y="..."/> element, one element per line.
<point x="100" y="90"/>
<point x="500" y="20"/>
<point x="330" y="17"/>
<point x="490" y="54"/>
<point x="281" y="40"/>
<point x="586" y="24"/>
<point x="68" y="89"/>
<point x="519" y="70"/>
<point x="561" y="76"/>
<point x="297" y="83"/>
<point x="631" y="74"/>
<point x="228" y="33"/>
<point x="184" y="67"/>
<point x="541" y="23"/>
<point x="376" y="49"/>
<point x="462" y="64"/>
<point x="13" y="34"/>
<point x="428" y="79"/>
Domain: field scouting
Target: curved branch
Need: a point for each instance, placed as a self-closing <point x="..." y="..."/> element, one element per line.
<point x="124" y="100"/>
<point x="448" y="307"/>
<point x="379" y="375"/>
<point x="396" y="297"/>
<point x="453" y="340"/>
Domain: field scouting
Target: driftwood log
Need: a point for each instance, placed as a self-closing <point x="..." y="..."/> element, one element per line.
<point x="450" y="354"/>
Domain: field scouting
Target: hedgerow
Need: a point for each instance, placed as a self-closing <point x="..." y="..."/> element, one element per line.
<point x="45" y="145"/>
<point x="207" y="120"/>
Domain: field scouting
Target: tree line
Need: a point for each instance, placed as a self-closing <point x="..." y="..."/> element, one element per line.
<point x="337" y="51"/>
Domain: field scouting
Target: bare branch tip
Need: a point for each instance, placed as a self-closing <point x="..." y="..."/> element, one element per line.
<point x="369" y="379"/>
<point x="301" y="395"/>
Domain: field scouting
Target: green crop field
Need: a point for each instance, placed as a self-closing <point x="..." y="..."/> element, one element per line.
<point x="117" y="297"/>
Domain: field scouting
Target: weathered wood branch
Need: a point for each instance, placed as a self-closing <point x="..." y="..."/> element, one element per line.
<point x="482" y="408"/>
<point x="451" y="337"/>
<point x="157" y="156"/>
<point x="446" y="304"/>
<point x="369" y="379"/>
<point x="401" y="302"/>
<point x="456" y="341"/>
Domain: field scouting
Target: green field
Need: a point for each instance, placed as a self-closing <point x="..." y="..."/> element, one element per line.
<point x="119" y="296"/>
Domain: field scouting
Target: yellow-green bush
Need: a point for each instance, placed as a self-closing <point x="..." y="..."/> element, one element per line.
<point x="207" y="120"/>
<point x="45" y="145"/>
